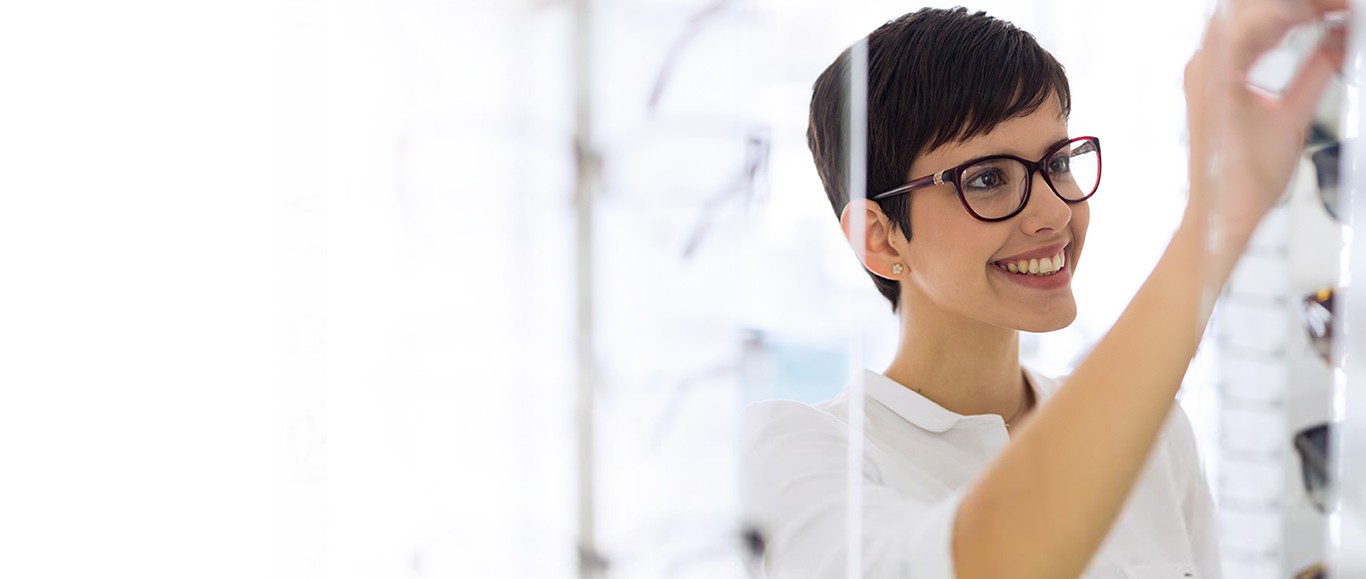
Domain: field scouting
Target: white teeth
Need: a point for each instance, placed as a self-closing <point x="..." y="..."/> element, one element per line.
<point x="1039" y="267"/>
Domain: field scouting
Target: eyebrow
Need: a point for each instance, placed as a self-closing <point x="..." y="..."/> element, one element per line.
<point x="1050" y="147"/>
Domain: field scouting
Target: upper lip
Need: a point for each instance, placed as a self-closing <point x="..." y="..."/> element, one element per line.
<point x="1040" y="253"/>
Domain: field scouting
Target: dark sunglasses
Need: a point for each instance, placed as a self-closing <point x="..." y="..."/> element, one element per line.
<point x="1325" y="150"/>
<point x="1327" y="170"/>
<point x="1314" y="449"/>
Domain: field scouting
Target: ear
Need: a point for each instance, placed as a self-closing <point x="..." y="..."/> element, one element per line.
<point x="879" y="244"/>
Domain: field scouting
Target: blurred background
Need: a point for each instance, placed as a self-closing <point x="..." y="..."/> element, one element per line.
<point x="423" y="289"/>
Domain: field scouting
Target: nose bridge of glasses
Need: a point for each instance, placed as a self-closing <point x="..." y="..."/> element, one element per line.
<point x="1038" y="171"/>
<point x="1052" y="201"/>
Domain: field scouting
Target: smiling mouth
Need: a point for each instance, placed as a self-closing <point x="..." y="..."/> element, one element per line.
<point x="1038" y="267"/>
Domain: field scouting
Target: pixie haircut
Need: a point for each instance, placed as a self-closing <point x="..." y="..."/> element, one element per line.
<point x="935" y="77"/>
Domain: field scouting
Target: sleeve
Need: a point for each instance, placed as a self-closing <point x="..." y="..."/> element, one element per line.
<point x="794" y="488"/>
<point x="1197" y="504"/>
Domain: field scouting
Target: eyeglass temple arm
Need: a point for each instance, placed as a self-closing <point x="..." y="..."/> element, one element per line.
<point x="921" y="183"/>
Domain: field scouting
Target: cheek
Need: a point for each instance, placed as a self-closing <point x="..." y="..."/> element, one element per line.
<point x="958" y="260"/>
<point x="1081" y="220"/>
<point x="946" y="246"/>
<point x="1081" y="217"/>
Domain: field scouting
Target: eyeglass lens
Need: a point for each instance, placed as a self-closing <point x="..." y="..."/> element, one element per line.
<point x="1312" y="446"/>
<point x="1326" y="169"/>
<point x="995" y="188"/>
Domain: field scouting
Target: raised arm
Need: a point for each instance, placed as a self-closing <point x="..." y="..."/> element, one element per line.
<point x="1043" y="507"/>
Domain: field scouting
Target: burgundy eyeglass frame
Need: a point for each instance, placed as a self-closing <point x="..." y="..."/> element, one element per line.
<point x="955" y="176"/>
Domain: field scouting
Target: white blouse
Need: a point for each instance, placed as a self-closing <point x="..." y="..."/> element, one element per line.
<point x="918" y="460"/>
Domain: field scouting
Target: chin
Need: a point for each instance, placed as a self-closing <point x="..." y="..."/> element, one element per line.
<point x="1052" y="322"/>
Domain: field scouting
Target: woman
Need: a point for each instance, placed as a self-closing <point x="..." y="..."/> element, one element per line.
<point x="967" y="465"/>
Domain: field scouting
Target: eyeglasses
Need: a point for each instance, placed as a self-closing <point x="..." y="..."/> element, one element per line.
<point x="1326" y="163"/>
<point x="996" y="188"/>
<point x="1315" y="571"/>
<point x="1324" y="149"/>
<point x="1318" y="321"/>
<point x="1312" y="444"/>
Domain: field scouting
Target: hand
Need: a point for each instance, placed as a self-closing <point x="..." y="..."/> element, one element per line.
<point x="1244" y="143"/>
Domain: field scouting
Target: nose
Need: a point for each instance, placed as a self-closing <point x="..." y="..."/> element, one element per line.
<point x="1045" y="212"/>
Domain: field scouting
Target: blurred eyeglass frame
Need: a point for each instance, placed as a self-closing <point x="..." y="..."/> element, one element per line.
<point x="1315" y="571"/>
<point x="1326" y="170"/>
<point x="1324" y="149"/>
<point x="1314" y="447"/>
<point x="1318" y="321"/>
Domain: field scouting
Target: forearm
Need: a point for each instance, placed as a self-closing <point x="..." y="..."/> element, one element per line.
<point x="1044" y="506"/>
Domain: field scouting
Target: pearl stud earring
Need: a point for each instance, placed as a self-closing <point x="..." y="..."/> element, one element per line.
<point x="897" y="269"/>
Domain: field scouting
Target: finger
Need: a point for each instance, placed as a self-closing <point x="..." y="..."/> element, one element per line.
<point x="1319" y="7"/>
<point x="1196" y="85"/>
<point x="1325" y="6"/>
<point x="1254" y="27"/>
<point x="1253" y="30"/>
<point x="1302" y="97"/>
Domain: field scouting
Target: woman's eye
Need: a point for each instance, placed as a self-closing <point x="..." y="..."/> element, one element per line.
<point x="989" y="179"/>
<point x="1060" y="164"/>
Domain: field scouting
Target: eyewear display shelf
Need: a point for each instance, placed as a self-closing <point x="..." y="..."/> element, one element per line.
<point x="1272" y="384"/>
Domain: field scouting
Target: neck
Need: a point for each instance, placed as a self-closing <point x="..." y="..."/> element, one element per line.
<point x="964" y="365"/>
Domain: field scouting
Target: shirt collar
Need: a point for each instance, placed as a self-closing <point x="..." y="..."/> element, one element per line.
<point x="926" y="413"/>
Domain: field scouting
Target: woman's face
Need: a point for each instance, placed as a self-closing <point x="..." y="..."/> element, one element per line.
<point x="957" y="264"/>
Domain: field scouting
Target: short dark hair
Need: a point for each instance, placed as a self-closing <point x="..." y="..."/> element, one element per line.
<point x="935" y="76"/>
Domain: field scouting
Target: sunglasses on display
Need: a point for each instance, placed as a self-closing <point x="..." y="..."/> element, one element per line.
<point x="1314" y="571"/>
<point x="1325" y="151"/>
<point x="1314" y="449"/>
<point x="1327" y="173"/>
<point x="1317" y="315"/>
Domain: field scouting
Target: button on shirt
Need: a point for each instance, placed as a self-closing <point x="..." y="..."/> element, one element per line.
<point x="918" y="461"/>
